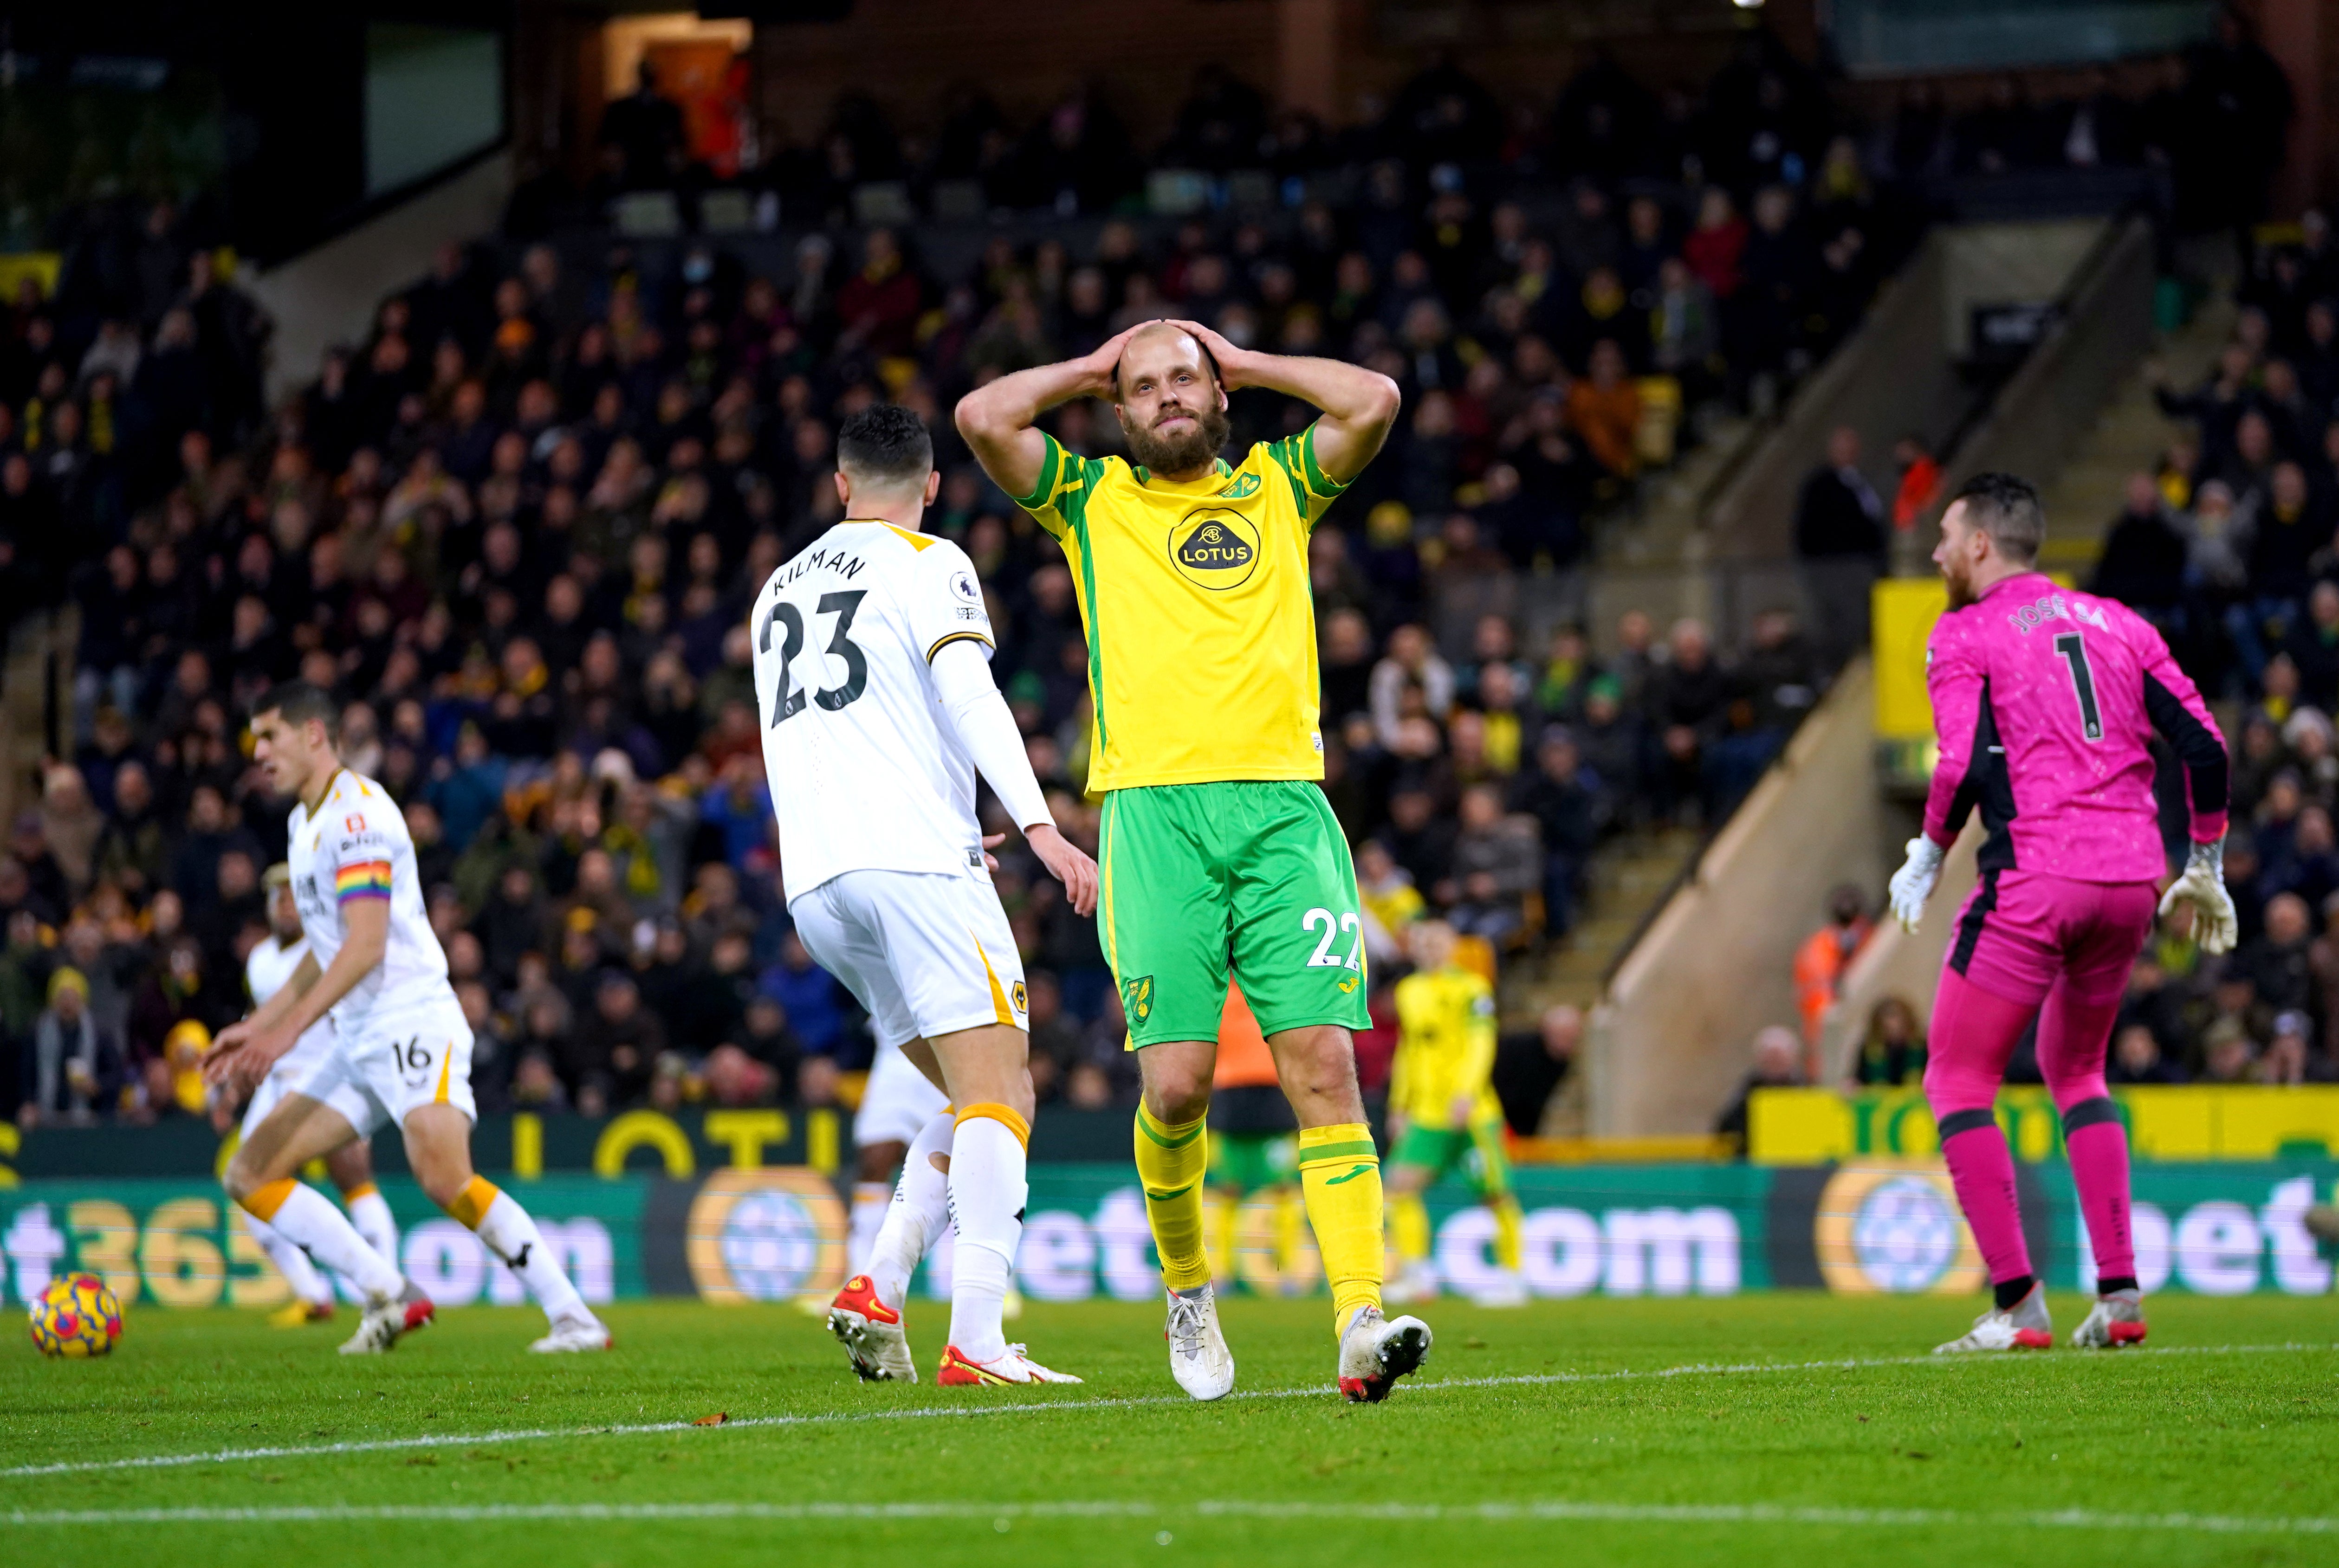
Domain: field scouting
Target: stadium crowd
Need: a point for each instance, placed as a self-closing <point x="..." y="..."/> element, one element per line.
<point x="516" y="527"/>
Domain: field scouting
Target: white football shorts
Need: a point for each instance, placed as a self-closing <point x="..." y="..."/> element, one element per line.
<point x="925" y="953"/>
<point x="405" y="1054"/>
<point x="315" y="1044"/>
<point x="898" y="1101"/>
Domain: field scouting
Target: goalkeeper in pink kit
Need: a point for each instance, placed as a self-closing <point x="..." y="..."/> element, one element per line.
<point x="2045" y="700"/>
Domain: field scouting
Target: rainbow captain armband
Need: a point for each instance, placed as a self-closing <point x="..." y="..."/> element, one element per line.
<point x="362" y="878"/>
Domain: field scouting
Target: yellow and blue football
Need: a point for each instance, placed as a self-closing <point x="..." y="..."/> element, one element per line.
<point x="76" y="1318"/>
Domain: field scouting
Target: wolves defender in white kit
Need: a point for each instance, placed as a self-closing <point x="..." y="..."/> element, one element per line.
<point x="873" y="673"/>
<point x="401" y="1050"/>
<point x="271" y="963"/>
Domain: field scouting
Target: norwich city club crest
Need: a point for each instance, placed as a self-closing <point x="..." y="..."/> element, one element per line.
<point x="1215" y="547"/>
<point x="1137" y="999"/>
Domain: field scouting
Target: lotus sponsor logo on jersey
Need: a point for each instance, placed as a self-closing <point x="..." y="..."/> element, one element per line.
<point x="1215" y="547"/>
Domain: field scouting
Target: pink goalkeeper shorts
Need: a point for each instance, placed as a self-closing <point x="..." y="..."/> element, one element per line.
<point x="2021" y="932"/>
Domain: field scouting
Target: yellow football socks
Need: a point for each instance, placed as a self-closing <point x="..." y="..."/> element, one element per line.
<point x="1170" y="1161"/>
<point x="1409" y="1227"/>
<point x="1507" y="1252"/>
<point x="1222" y="1241"/>
<point x="1340" y="1174"/>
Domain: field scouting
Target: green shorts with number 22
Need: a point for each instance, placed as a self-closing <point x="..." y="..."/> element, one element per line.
<point x="1250" y="876"/>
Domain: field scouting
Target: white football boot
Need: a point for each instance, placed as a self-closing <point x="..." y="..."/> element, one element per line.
<point x="389" y="1320"/>
<point x="958" y="1370"/>
<point x="872" y="1334"/>
<point x="1507" y="1288"/>
<point x="2024" y="1325"/>
<point x="1376" y="1351"/>
<point x="1199" y="1358"/>
<point x="1418" y="1281"/>
<point x="2116" y="1320"/>
<point x="571" y="1335"/>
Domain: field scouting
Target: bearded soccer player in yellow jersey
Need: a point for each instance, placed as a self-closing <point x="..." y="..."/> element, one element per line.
<point x="1218" y="850"/>
<point x="1442" y="1090"/>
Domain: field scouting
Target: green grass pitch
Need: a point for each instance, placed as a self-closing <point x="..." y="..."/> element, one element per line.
<point x="1591" y="1431"/>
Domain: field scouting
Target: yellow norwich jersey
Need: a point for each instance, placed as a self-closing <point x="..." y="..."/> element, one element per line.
<point x="1444" y="1046"/>
<point x="1201" y="625"/>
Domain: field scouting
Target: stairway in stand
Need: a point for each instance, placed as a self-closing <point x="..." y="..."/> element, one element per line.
<point x="2131" y="434"/>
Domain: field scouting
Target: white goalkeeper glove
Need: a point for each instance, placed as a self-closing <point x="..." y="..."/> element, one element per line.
<point x="2203" y="886"/>
<point x="1912" y="884"/>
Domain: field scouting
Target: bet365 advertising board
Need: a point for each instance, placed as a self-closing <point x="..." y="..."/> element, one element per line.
<point x="737" y="1234"/>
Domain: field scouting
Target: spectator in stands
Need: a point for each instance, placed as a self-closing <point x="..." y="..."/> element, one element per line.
<point x="1920" y="482"/>
<point x="2290" y="1058"/>
<point x="1530" y="1066"/>
<point x="1497" y="863"/>
<point x="1779" y="684"/>
<point x="76" y="1068"/>
<point x="1776" y="1055"/>
<point x="2280" y="532"/>
<point x="2238" y="106"/>
<point x="2144" y="558"/>
<point x="2228" y="1054"/>
<point x="1569" y="817"/>
<point x="2136" y="1059"/>
<point x="1412" y="663"/>
<point x="1605" y="409"/>
<point x="1388" y="892"/>
<point x="2274" y="962"/>
<point x="617" y="1048"/>
<point x="1892" y="1053"/>
<point x="1823" y="957"/>
<point x="25" y="966"/>
<point x="642" y="134"/>
<point x="1688" y="702"/>
<point x="1839" y="540"/>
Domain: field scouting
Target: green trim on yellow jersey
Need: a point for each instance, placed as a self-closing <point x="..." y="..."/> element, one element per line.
<point x="1445" y="1044"/>
<point x="1200" y="620"/>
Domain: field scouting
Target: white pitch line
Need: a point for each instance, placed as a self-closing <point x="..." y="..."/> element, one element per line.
<point x="1556" y="1509"/>
<point x="1044" y="1407"/>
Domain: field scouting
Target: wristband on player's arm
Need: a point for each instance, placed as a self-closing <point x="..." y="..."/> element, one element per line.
<point x="978" y="717"/>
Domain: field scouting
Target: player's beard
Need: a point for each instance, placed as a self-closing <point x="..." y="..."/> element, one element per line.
<point x="1180" y="453"/>
<point x="1961" y="586"/>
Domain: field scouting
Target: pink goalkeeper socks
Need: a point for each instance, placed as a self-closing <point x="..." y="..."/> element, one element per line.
<point x="1983" y="1173"/>
<point x="2098" y="1154"/>
<point x="1972" y="1035"/>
